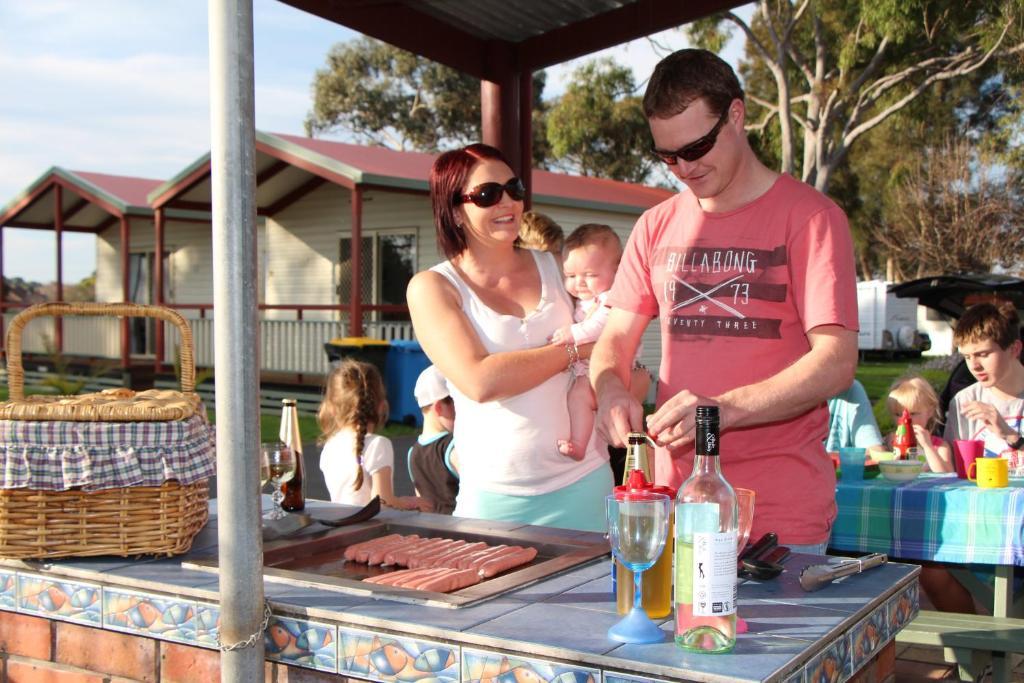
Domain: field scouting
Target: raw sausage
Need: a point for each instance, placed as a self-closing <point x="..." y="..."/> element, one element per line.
<point x="413" y="581"/>
<point x="431" y="559"/>
<point x="451" y="558"/>
<point x="376" y="556"/>
<point x="450" y="581"/>
<point x="396" y="577"/>
<point x="400" y="556"/>
<point x="431" y="544"/>
<point x="422" y="559"/>
<point x="504" y="550"/>
<point x="350" y="552"/>
<point x="468" y="560"/>
<point x="363" y="554"/>
<point x="505" y="562"/>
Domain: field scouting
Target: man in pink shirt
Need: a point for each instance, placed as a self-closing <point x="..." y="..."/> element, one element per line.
<point x="751" y="274"/>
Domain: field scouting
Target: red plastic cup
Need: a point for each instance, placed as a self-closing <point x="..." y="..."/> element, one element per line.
<point x="965" y="452"/>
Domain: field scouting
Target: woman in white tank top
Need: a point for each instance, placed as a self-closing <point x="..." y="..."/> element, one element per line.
<point x="484" y="317"/>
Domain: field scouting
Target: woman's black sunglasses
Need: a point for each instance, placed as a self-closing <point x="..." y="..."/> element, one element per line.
<point x="489" y="194"/>
<point x="696" y="149"/>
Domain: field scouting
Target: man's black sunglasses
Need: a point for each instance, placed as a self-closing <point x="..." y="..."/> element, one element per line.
<point x="489" y="194"/>
<point x="696" y="149"/>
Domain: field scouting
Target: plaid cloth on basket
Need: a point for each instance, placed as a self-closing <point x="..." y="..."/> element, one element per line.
<point x="934" y="517"/>
<point x="58" y="456"/>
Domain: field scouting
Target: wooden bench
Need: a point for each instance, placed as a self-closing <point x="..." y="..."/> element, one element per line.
<point x="969" y="640"/>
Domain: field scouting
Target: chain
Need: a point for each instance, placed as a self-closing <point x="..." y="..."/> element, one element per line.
<point x="251" y="640"/>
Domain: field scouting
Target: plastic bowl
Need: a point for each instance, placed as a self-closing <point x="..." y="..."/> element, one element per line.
<point x="883" y="456"/>
<point x="901" y="470"/>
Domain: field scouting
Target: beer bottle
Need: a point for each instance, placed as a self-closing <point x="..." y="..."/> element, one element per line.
<point x="295" y="488"/>
<point x="636" y="457"/>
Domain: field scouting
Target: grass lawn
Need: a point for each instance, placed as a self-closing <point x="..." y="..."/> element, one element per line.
<point x="878" y="375"/>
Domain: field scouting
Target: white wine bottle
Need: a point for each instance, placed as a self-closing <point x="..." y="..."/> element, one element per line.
<point x="705" y="562"/>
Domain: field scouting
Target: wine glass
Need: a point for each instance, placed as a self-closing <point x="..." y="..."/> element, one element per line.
<point x="745" y="505"/>
<point x="264" y="470"/>
<point x="637" y="528"/>
<point x="280" y="468"/>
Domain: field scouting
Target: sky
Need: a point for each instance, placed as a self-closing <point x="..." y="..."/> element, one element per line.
<point x="122" y="87"/>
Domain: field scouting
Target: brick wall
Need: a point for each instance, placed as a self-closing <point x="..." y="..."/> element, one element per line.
<point x="38" y="650"/>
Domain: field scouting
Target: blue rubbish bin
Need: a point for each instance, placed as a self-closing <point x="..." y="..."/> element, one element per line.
<point x="405" y="362"/>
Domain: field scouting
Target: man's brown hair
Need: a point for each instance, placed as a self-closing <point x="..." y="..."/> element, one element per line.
<point x="687" y="75"/>
<point x="986" y="321"/>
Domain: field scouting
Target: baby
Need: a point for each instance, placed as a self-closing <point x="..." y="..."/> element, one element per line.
<point x="591" y="256"/>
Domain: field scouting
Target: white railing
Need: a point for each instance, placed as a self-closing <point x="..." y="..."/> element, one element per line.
<point x="291" y="346"/>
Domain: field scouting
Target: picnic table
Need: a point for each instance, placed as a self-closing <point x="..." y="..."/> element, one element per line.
<point x="940" y="518"/>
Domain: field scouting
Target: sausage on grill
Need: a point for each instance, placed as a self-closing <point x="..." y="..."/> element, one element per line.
<point x="506" y="562"/>
<point x="350" y="552"/>
<point x="451" y="580"/>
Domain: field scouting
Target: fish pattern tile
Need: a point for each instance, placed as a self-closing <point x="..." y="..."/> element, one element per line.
<point x="833" y="665"/>
<point x="481" y="666"/>
<point x="8" y="591"/>
<point x="302" y="643"/>
<point x="868" y="636"/>
<point x="395" y="659"/>
<point x="150" y="615"/>
<point x="903" y="607"/>
<point x="207" y="624"/>
<point x="75" y="601"/>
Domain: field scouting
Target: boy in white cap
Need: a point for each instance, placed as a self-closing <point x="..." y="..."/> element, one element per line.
<point x="432" y="465"/>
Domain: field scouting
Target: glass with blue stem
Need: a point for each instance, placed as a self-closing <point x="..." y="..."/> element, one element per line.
<point x="637" y="529"/>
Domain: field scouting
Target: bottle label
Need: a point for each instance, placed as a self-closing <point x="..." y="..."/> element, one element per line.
<point x="714" y="574"/>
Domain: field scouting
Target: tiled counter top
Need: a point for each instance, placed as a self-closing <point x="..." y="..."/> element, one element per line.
<point x="554" y="629"/>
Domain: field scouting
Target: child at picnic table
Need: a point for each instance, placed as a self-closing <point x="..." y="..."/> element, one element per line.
<point x="992" y="409"/>
<point x="591" y="257"/>
<point x="356" y="463"/>
<point x="914" y="394"/>
<point x="988" y="337"/>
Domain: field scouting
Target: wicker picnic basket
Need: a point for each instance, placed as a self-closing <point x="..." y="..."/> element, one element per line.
<point x="116" y="472"/>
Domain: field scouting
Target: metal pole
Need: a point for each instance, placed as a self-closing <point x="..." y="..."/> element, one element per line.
<point x="58" y="229"/>
<point x="125" y="291"/>
<point x="158" y="286"/>
<point x="236" y="334"/>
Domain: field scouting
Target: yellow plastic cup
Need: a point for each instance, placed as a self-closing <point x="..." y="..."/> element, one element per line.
<point x="990" y="473"/>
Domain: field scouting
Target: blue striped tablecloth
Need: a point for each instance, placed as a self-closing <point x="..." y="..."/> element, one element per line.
<point x="934" y="517"/>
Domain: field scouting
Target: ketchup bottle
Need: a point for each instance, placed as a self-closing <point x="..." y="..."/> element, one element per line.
<point x="903" y="440"/>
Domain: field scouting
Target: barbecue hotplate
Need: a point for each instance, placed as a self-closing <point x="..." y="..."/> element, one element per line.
<point x="317" y="560"/>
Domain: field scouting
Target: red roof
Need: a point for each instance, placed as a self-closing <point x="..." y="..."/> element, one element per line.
<point x="416" y="166"/>
<point x="130" y="190"/>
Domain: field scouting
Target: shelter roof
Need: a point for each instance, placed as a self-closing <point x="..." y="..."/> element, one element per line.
<point x="953" y="294"/>
<point x="287" y="166"/>
<point x="89" y="201"/>
<point x="485" y="37"/>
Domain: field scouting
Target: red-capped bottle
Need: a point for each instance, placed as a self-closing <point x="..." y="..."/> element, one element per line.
<point x="903" y="440"/>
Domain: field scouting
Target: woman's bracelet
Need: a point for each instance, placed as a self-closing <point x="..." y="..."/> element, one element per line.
<point x="574" y="354"/>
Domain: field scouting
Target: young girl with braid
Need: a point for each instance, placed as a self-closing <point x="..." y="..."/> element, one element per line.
<point x="357" y="464"/>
